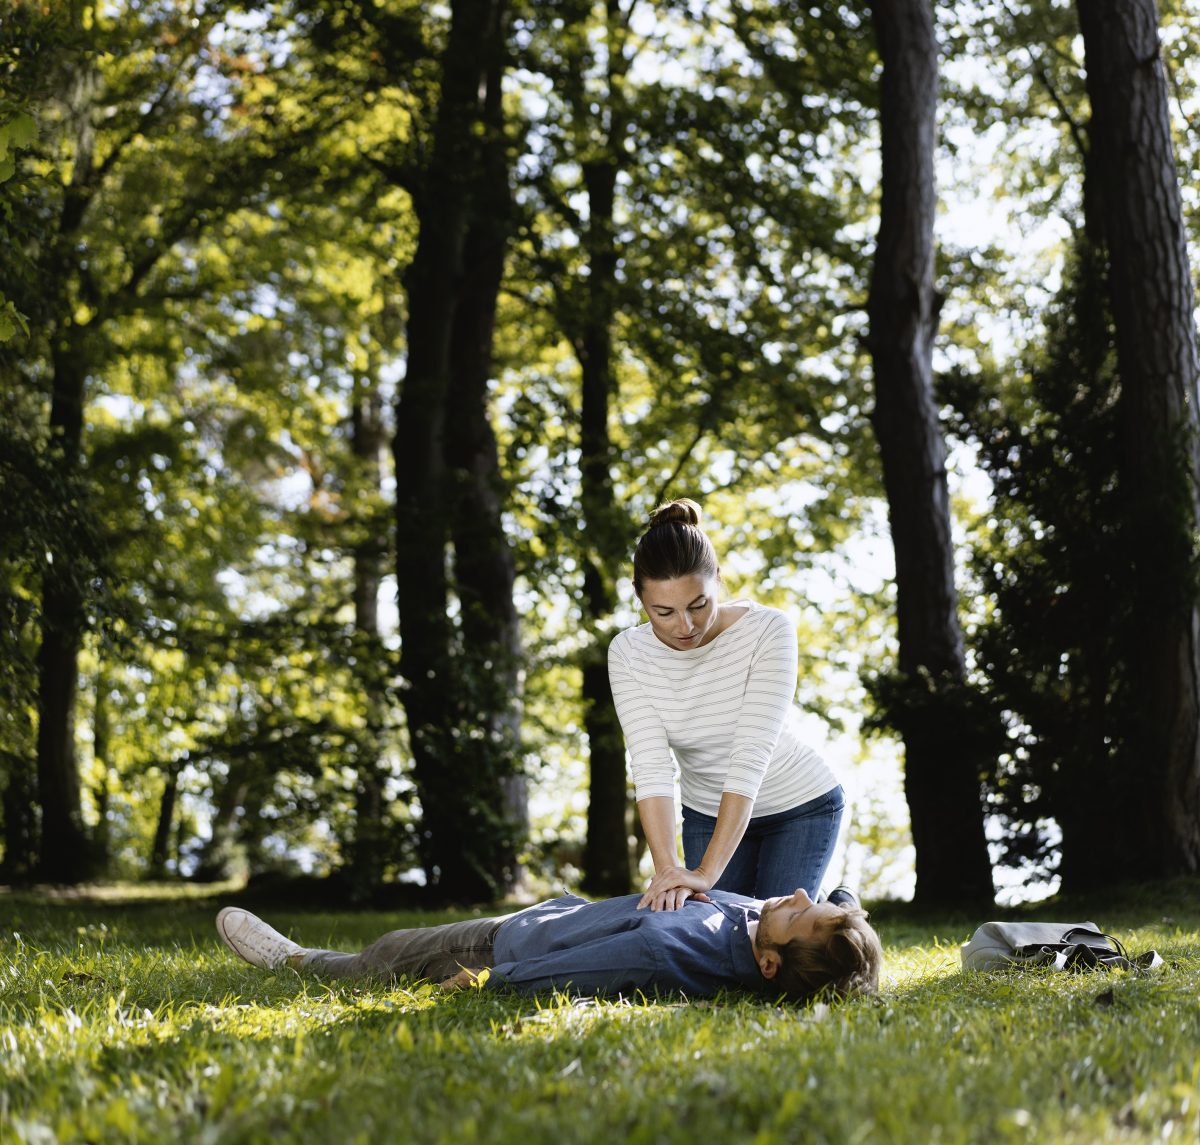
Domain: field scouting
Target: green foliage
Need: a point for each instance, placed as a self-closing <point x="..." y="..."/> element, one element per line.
<point x="907" y="703"/>
<point x="723" y="179"/>
<point x="129" y="1022"/>
<point x="733" y="136"/>
<point x="19" y="131"/>
<point x="1061" y="575"/>
<point x="41" y="506"/>
<point x="216" y="214"/>
<point x="33" y="42"/>
<point x="1052" y="558"/>
<point x="226" y="325"/>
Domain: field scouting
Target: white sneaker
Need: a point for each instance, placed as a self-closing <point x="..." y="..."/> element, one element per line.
<point x="252" y="939"/>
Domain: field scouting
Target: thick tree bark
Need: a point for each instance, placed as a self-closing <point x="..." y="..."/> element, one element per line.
<point x="465" y="847"/>
<point x="236" y="803"/>
<point x="216" y="858"/>
<point x="1081" y="777"/>
<point x="368" y="848"/>
<point x="62" y="841"/>
<point x="20" y="823"/>
<point x="587" y="307"/>
<point x="942" y="781"/>
<point x="101" y="841"/>
<point x="1157" y="807"/>
<point x="63" y="846"/>
<point x="160" y="848"/>
<point x="606" y="853"/>
<point x="484" y="568"/>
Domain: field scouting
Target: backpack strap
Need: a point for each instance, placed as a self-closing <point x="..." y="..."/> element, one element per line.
<point x="1084" y="935"/>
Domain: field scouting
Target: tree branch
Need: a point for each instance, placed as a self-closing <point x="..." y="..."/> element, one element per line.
<point x="1078" y="134"/>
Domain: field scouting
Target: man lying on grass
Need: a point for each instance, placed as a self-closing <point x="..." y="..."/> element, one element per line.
<point x="790" y="946"/>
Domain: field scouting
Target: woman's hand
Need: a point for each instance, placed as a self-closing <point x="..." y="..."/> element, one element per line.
<point x="673" y="886"/>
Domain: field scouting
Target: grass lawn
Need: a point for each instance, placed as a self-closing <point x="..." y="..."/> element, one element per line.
<point x="128" y="1021"/>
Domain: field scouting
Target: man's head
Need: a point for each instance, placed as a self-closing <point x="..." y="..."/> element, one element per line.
<point x="805" y="948"/>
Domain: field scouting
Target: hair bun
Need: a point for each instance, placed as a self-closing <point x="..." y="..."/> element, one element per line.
<point x="682" y="511"/>
<point x="667" y="554"/>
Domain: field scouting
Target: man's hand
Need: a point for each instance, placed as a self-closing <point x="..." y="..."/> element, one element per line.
<point x="461" y="980"/>
<point x="671" y="888"/>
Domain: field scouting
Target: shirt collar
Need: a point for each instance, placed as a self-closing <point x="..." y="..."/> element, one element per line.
<point x="740" y="913"/>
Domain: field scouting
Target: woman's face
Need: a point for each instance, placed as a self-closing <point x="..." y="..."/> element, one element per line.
<point x="683" y="611"/>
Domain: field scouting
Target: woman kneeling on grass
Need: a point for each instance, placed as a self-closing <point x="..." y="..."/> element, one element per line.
<point x="712" y="684"/>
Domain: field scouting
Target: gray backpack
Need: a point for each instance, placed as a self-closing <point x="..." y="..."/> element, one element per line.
<point x="1054" y="945"/>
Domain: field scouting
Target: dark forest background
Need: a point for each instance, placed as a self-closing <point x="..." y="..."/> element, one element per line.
<point x="345" y="346"/>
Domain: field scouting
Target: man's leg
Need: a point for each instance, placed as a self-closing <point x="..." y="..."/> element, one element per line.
<point x="435" y="952"/>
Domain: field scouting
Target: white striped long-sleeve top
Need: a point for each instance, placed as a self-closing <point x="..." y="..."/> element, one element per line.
<point x="723" y="711"/>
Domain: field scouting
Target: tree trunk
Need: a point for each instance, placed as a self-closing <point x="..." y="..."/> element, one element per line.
<point x="606" y="854"/>
<point x="160" y="849"/>
<point x="368" y="848"/>
<point x="63" y="842"/>
<point x="101" y="843"/>
<point x="484" y="569"/>
<point x="586" y="307"/>
<point x="1084" y="773"/>
<point x="1153" y="303"/>
<point x="233" y="804"/>
<point x="20" y="823"/>
<point x="942" y="781"/>
<point x="465" y="848"/>
<point x="63" y="846"/>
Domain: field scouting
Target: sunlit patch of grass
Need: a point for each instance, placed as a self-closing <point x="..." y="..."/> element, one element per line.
<point x="129" y="1022"/>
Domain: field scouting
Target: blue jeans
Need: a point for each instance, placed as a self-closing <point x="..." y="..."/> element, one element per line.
<point x="778" y="853"/>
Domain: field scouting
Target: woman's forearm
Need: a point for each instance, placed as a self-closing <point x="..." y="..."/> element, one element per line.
<point x="673" y="884"/>
<point x="732" y="818"/>
<point x="657" y="814"/>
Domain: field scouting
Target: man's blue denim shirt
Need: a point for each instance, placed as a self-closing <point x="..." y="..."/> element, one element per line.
<point x="611" y="947"/>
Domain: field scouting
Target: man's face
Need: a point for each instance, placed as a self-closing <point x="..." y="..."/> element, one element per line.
<point x="683" y="611"/>
<point x="793" y="916"/>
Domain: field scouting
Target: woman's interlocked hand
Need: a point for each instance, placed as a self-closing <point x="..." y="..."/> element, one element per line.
<point x="672" y="887"/>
